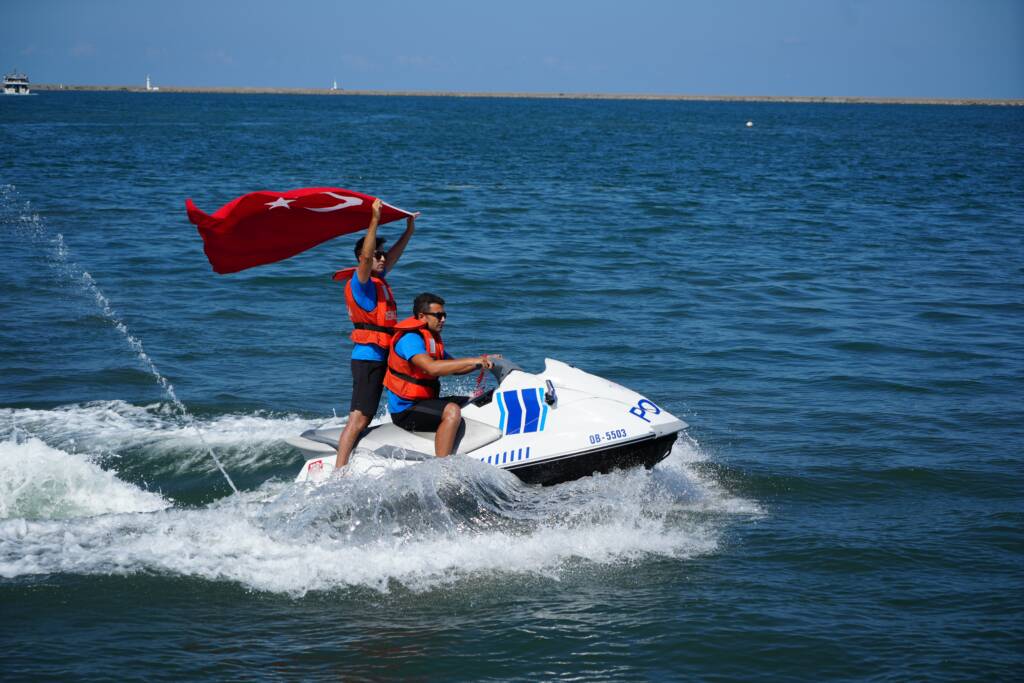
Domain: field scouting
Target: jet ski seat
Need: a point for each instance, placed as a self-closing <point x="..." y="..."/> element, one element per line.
<point x="392" y="441"/>
<point x="472" y="436"/>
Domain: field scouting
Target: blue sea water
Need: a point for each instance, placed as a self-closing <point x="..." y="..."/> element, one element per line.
<point x="833" y="299"/>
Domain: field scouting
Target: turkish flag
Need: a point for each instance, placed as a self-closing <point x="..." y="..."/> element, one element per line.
<point x="264" y="227"/>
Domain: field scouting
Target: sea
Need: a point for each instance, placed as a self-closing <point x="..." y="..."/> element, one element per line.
<point x="831" y="296"/>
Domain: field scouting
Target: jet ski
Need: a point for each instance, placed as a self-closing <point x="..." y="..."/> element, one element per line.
<point x="546" y="428"/>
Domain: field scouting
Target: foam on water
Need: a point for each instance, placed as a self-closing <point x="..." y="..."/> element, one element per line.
<point x="156" y="434"/>
<point x="41" y="482"/>
<point x="420" y="527"/>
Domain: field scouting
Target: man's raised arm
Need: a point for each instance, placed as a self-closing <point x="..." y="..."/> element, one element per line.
<point x="369" y="245"/>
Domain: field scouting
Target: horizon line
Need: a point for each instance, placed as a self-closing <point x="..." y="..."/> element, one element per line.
<point x="796" y="99"/>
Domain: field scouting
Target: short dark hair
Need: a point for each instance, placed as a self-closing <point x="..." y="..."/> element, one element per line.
<point x="359" y="245"/>
<point x="422" y="303"/>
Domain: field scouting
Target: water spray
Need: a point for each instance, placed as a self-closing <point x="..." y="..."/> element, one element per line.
<point x="39" y="232"/>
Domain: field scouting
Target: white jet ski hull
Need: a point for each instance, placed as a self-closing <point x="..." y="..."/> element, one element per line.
<point x="546" y="428"/>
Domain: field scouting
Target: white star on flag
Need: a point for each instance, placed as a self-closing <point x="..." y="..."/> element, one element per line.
<point x="280" y="201"/>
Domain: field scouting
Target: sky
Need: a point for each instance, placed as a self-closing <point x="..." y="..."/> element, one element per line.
<point x="855" y="48"/>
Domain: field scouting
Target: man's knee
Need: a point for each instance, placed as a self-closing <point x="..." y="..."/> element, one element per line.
<point x="452" y="413"/>
<point x="358" y="419"/>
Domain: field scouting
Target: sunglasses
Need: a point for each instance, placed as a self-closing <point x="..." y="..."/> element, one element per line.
<point x="440" y="316"/>
<point x="379" y="254"/>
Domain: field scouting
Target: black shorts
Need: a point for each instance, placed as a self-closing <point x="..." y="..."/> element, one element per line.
<point x="367" y="385"/>
<point x="425" y="415"/>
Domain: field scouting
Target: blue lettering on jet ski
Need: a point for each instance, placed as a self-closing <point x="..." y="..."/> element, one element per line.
<point x="642" y="407"/>
<point x="522" y="411"/>
<point x="610" y="435"/>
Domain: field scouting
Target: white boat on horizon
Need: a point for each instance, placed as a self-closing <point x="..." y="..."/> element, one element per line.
<point x="16" y="84"/>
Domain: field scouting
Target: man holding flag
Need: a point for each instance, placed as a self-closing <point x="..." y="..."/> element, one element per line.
<point x="373" y="312"/>
<point x="266" y="227"/>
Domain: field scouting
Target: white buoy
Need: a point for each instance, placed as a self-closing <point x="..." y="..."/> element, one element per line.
<point x="750" y="124"/>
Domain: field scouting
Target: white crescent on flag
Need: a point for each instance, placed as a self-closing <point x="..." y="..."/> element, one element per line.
<point x="344" y="204"/>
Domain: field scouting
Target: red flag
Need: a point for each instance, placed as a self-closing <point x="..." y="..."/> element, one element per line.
<point x="264" y="227"/>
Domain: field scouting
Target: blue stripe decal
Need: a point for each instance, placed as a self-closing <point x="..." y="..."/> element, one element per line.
<point x="532" y="410"/>
<point x="501" y="407"/>
<point x="543" y="410"/>
<point x="508" y="456"/>
<point x="515" y="412"/>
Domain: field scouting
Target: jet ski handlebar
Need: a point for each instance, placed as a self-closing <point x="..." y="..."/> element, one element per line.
<point x="502" y="368"/>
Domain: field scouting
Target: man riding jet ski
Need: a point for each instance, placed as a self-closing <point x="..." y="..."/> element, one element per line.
<point x="415" y="362"/>
<point x="546" y="428"/>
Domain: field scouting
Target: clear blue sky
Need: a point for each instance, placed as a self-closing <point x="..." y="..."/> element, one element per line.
<point x="890" y="48"/>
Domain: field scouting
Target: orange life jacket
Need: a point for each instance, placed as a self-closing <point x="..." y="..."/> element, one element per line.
<point x="371" y="327"/>
<point x="405" y="379"/>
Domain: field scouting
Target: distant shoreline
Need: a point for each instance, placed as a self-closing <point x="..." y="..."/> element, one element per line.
<point x="529" y="95"/>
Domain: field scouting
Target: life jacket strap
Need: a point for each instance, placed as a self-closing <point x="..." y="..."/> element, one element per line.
<point x="373" y="328"/>
<point x="431" y="383"/>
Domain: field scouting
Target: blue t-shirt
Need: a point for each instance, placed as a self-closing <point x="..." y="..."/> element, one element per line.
<point x="407" y="347"/>
<point x="365" y="294"/>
